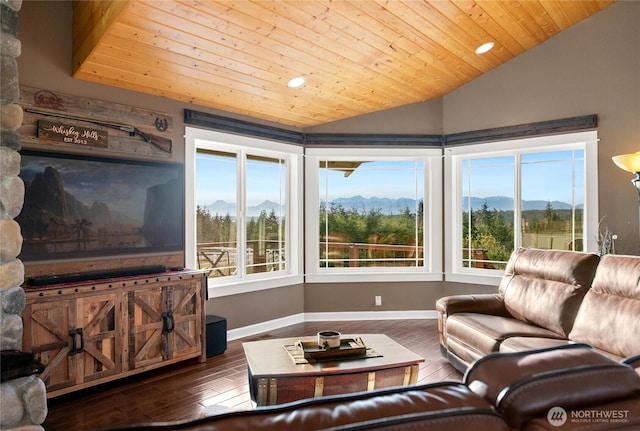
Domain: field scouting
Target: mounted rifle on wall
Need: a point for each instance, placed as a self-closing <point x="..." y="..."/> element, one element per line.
<point x="83" y="135"/>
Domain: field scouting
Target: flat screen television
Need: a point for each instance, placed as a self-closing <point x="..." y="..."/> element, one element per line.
<point x="84" y="206"/>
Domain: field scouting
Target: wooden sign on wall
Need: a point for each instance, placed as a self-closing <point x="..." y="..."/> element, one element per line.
<point x="104" y="127"/>
<point x="70" y="134"/>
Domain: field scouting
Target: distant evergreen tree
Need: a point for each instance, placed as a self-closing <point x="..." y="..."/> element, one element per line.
<point x="220" y="230"/>
<point x="488" y="232"/>
<point x="370" y="227"/>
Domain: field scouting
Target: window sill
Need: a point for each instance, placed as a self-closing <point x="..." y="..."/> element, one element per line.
<point x="371" y="277"/>
<point x="217" y="289"/>
<point x="481" y="279"/>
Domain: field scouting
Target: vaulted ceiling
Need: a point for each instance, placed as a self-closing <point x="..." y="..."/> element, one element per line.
<point x="357" y="56"/>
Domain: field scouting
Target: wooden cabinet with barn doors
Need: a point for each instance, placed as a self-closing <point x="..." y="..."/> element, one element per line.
<point x="164" y="323"/>
<point x="95" y="331"/>
<point x="77" y="337"/>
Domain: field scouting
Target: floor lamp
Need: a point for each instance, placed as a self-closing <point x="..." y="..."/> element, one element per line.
<point x="631" y="163"/>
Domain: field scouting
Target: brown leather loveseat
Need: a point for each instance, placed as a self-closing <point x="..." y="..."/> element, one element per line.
<point x="569" y="387"/>
<point x="547" y="298"/>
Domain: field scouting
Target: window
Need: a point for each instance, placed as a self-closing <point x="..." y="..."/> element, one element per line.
<point x="216" y="213"/>
<point x="530" y="193"/>
<point x="372" y="212"/>
<point x="245" y="207"/>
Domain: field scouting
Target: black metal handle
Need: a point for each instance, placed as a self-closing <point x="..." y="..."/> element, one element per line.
<point x="72" y="334"/>
<point x="171" y="323"/>
<point x="76" y="336"/>
<point x="79" y="333"/>
<point x="165" y="324"/>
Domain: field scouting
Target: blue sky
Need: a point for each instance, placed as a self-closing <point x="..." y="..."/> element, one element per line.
<point x="375" y="179"/>
<point x="546" y="177"/>
<point x="216" y="180"/>
<point x="217" y="183"/>
<point x="368" y="180"/>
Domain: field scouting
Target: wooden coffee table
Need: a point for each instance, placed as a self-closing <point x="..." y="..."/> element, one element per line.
<point x="275" y="378"/>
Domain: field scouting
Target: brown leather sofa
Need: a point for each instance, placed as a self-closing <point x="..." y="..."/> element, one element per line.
<point x="528" y="391"/>
<point x="547" y="298"/>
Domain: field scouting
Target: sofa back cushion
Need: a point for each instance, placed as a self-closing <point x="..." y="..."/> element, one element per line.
<point x="609" y="316"/>
<point x="545" y="287"/>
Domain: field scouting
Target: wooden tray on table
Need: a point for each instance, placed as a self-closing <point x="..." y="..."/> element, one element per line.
<point x="349" y="347"/>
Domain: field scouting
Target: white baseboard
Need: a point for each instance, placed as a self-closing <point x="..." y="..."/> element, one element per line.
<point x="246" y="331"/>
<point x="370" y="315"/>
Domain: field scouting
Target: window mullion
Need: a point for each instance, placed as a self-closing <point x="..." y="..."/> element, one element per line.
<point x="517" y="202"/>
<point x="282" y="180"/>
<point x="469" y="217"/>
<point x="416" y="228"/>
<point x="574" y="204"/>
<point x="241" y="232"/>
<point x="326" y="217"/>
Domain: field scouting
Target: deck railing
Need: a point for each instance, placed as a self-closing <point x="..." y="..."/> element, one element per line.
<point x="354" y="255"/>
<point x="222" y="257"/>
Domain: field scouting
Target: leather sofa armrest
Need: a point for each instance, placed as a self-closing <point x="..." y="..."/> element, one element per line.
<point x="526" y="385"/>
<point x="633" y="362"/>
<point x="497" y="371"/>
<point x="488" y="303"/>
<point x="590" y="385"/>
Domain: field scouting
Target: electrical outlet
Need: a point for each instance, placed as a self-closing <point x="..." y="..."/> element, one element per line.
<point x="378" y="301"/>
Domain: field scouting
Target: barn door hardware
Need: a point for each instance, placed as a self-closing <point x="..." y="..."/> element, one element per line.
<point x="77" y="341"/>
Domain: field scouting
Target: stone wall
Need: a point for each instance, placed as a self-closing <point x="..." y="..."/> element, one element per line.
<point x="23" y="401"/>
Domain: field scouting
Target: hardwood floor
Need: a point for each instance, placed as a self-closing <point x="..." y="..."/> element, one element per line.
<point x="191" y="389"/>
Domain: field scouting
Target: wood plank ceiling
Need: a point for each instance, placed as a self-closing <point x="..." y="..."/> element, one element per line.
<point x="357" y="56"/>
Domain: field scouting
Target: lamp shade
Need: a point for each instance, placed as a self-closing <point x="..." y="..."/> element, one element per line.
<point x="628" y="162"/>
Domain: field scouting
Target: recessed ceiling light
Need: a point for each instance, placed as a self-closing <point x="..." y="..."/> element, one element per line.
<point x="296" y="82"/>
<point x="485" y="47"/>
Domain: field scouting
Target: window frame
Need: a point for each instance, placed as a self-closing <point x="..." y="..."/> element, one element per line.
<point x="453" y="156"/>
<point x="432" y="217"/>
<point x="196" y="138"/>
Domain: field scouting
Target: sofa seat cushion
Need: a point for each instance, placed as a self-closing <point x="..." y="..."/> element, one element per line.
<point x="608" y="318"/>
<point x="521" y="344"/>
<point x="546" y="287"/>
<point x="483" y="333"/>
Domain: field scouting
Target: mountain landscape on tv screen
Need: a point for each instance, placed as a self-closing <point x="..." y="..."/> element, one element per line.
<point x="54" y="221"/>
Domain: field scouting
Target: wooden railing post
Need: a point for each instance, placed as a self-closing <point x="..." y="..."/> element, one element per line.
<point x="354" y="254"/>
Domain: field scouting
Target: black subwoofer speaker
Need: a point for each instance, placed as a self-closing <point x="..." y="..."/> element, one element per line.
<point x="216" y="335"/>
